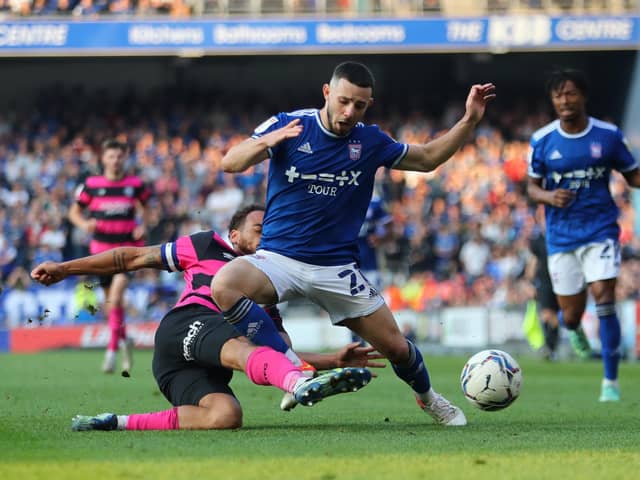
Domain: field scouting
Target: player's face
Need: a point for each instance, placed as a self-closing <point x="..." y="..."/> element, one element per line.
<point x="345" y="105"/>
<point x="113" y="163"/>
<point x="568" y="102"/>
<point x="246" y="238"/>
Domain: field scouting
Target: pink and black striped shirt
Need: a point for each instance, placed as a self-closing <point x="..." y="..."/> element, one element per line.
<point x="200" y="256"/>
<point x="113" y="205"/>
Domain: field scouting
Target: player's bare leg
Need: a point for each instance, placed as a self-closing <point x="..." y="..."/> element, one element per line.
<point x="215" y="411"/>
<point x="115" y="309"/>
<point x="572" y="308"/>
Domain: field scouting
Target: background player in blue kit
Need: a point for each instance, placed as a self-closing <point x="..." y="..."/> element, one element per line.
<point x="569" y="169"/>
<point x="320" y="182"/>
<point x="374" y="232"/>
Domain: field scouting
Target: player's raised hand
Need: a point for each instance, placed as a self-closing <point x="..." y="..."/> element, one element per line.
<point x="48" y="273"/>
<point x="561" y="197"/>
<point x="290" y="130"/>
<point x="355" y="355"/>
<point x="479" y="96"/>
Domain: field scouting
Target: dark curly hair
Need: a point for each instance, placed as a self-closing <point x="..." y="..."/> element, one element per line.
<point x="238" y="218"/>
<point x="557" y="78"/>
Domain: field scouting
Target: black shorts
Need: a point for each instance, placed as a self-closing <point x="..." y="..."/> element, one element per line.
<point x="186" y="358"/>
<point x="544" y="294"/>
<point x="105" y="280"/>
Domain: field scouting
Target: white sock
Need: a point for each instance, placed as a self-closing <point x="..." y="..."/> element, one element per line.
<point x="110" y="355"/>
<point x="609" y="383"/>
<point x="427" y="397"/>
<point x="122" y="421"/>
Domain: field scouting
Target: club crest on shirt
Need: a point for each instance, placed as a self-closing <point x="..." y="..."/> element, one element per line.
<point x="596" y="150"/>
<point x="128" y="192"/>
<point x="355" y="151"/>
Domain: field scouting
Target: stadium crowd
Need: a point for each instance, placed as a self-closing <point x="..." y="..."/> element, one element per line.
<point x="91" y="9"/>
<point x="459" y="235"/>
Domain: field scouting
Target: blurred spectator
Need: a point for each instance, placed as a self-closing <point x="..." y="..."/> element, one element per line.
<point x="457" y="236"/>
<point x="8" y="253"/>
<point x="347" y="8"/>
<point x="475" y="255"/>
<point x="120" y="7"/>
<point x="89" y="8"/>
<point x="225" y="199"/>
<point x="21" y="307"/>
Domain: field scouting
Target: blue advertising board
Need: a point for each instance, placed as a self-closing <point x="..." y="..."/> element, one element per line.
<point x="493" y="34"/>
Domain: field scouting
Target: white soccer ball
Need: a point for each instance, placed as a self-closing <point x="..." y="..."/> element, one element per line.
<point x="491" y="380"/>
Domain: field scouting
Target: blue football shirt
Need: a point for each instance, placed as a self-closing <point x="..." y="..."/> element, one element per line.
<point x="319" y="187"/>
<point x="581" y="162"/>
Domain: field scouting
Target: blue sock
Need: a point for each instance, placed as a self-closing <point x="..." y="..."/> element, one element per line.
<point x="254" y="323"/>
<point x="610" y="339"/>
<point x="414" y="372"/>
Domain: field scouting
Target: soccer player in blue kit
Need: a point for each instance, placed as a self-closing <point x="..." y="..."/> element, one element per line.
<point x="321" y="176"/>
<point x="375" y="230"/>
<point x="569" y="169"/>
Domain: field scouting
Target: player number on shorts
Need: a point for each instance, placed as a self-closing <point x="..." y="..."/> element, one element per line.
<point x="353" y="279"/>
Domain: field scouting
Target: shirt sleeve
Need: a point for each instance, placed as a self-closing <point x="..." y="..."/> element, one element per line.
<point x="82" y="196"/>
<point x="179" y="255"/>
<point x="623" y="158"/>
<point x="535" y="161"/>
<point x="272" y="123"/>
<point x="144" y="193"/>
<point x="391" y="152"/>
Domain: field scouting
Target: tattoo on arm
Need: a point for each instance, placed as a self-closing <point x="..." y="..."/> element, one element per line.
<point x="153" y="259"/>
<point x="119" y="262"/>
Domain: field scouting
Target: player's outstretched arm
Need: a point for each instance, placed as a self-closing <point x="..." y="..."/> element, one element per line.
<point x="351" y="355"/>
<point x="254" y="150"/>
<point x="117" y="260"/>
<point x="427" y="157"/>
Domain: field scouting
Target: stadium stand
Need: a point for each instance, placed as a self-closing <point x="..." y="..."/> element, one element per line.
<point x="349" y="8"/>
<point x="184" y="113"/>
<point x="177" y="147"/>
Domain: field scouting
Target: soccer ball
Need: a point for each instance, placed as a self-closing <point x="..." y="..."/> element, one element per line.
<point x="491" y="380"/>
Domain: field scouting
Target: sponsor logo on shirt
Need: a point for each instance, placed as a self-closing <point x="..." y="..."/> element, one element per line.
<point x="579" y="178"/>
<point x="115" y="208"/>
<point x="328" y="179"/>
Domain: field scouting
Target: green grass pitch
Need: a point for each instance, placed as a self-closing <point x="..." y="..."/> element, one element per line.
<point x="556" y="429"/>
